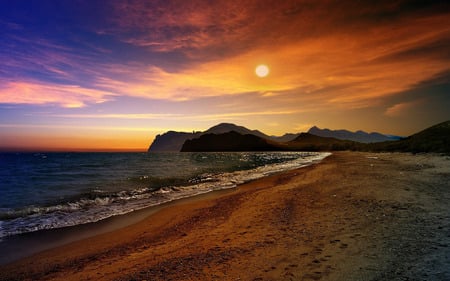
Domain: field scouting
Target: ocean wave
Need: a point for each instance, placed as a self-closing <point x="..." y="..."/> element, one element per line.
<point x="99" y="205"/>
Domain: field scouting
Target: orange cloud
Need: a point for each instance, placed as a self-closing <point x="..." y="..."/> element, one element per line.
<point x="347" y="55"/>
<point x="226" y="77"/>
<point x="404" y="108"/>
<point x="323" y="71"/>
<point x="150" y="116"/>
<point x="46" y="93"/>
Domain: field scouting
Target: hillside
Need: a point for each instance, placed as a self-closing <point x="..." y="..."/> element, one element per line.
<point x="228" y="127"/>
<point x="171" y="141"/>
<point x="434" y="139"/>
<point x="234" y="141"/>
<point x="310" y="142"/>
<point x="230" y="141"/>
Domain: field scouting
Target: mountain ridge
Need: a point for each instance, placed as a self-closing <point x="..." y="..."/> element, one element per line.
<point x="434" y="139"/>
<point x="228" y="141"/>
<point x="173" y="141"/>
<point x="359" y="136"/>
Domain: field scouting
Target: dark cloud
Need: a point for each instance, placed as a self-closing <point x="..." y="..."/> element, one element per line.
<point x="428" y="99"/>
<point x="208" y="30"/>
<point x="435" y="49"/>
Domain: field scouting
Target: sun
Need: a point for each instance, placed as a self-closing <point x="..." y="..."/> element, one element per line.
<point x="262" y="70"/>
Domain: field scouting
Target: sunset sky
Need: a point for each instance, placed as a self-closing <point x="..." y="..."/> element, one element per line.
<point x="80" y="75"/>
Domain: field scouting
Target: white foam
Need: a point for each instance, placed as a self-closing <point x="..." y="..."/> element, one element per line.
<point x="103" y="206"/>
<point x="2" y="234"/>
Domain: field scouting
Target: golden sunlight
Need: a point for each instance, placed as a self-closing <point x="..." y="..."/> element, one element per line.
<point x="262" y="70"/>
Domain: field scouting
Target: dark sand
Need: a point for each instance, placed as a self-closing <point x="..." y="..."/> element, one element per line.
<point x="354" y="216"/>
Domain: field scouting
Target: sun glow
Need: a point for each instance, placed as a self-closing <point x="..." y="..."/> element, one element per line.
<point x="262" y="70"/>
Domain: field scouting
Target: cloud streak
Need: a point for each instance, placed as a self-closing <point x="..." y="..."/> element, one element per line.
<point x="69" y="96"/>
<point x="400" y="109"/>
<point x="152" y="116"/>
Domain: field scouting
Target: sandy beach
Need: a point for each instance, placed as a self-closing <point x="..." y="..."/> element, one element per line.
<point x="354" y="216"/>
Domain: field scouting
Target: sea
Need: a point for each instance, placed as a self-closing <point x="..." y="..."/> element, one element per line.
<point x="54" y="190"/>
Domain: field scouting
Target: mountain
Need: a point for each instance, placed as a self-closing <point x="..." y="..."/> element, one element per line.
<point x="310" y="142"/>
<point x="229" y="141"/>
<point x="234" y="141"/>
<point x="228" y="127"/>
<point x="173" y="141"/>
<point x="359" y="136"/>
<point x="434" y="139"/>
<point x="284" y="138"/>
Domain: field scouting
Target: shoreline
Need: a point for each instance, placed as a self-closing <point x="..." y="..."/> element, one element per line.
<point x="123" y="191"/>
<point x="352" y="216"/>
<point x="24" y="245"/>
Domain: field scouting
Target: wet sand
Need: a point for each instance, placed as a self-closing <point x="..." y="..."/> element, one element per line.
<point x="354" y="216"/>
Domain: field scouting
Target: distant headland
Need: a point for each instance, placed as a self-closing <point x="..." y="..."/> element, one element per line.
<point x="231" y="137"/>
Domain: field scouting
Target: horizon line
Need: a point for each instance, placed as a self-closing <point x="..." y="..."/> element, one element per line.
<point x="68" y="150"/>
